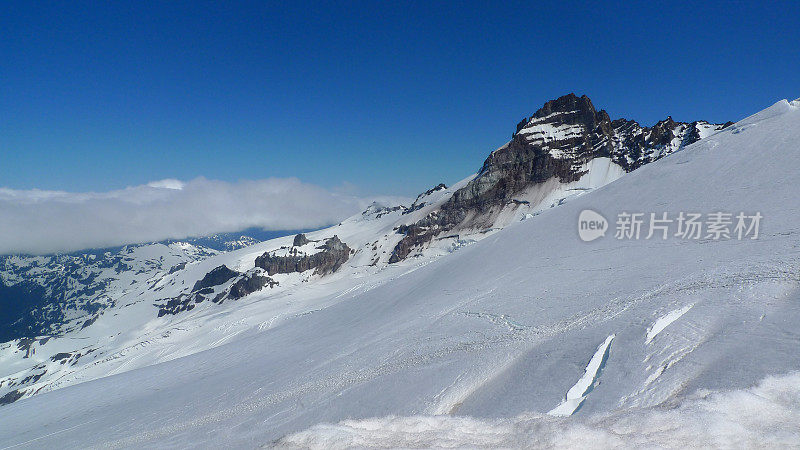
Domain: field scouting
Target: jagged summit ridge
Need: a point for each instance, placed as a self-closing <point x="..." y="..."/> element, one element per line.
<point x="559" y="142"/>
<point x="570" y="126"/>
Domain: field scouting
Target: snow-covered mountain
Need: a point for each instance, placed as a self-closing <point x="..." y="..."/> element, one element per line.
<point x="99" y="314"/>
<point x="56" y="294"/>
<point x="52" y="295"/>
<point x="565" y="149"/>
<point x="463" y="323"/>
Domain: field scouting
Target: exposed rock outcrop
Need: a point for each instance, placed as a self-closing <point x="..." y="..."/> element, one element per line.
<point x="249" y="284"/>
<point x="420" y="202"/>
<point x="213" y="286"/>
<point x="378" y="210"/>
<point x="217" y="276"/>
<point x="300" y="240"/>
<point x="11" y="397"/>
<point x="334" y="253"/>
<point x="556" y="142"/>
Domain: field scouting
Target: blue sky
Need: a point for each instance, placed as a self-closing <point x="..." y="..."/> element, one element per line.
<point x="369" y="97"/>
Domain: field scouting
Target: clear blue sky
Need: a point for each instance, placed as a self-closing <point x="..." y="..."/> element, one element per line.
<point x="391" y="96"/>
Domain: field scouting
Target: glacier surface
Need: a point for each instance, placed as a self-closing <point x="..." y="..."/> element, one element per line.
<point x="474" y="348"/>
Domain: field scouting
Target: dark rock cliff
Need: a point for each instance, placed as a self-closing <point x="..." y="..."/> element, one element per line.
<point x="213" y="286"/>
<point x="556" y="142"/>
<point x="334" y="253"/>
<point x="217" y="276"/>
<point x="248" y="284"/>
<point x="300" y="240"/>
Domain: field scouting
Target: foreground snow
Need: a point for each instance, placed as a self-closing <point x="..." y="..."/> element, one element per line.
<point x="503" y="328"/>
<point x="765" y="416"/>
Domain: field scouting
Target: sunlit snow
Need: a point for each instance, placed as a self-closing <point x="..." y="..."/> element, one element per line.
<point x="491" y="336"/>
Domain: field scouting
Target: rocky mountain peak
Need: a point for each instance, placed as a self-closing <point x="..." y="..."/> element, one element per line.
<point x="557" y="142"/>
<point x="569" y="103"/>
<point x="565" y="110"/>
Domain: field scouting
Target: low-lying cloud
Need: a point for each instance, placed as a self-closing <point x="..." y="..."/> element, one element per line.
<point x="39" y="222"/>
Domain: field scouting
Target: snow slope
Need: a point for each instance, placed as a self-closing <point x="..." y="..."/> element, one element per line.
<point x="129" y="331"/>
<point x="93" y="319"/>
<point x="764" y="416"/>
<point x="496" y="334"/>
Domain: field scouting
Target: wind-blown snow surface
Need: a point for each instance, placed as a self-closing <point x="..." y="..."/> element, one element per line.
<point x="496" y="334"/>
<point x="765" y="416"/>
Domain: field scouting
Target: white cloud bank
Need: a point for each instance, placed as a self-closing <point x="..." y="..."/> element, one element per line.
<point x="37" y="221"/>
<point x="765" y="416"/>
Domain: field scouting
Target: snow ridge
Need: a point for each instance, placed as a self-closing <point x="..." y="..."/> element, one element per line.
<point x="577" y="393"/>
<point x="663" y="322"/>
